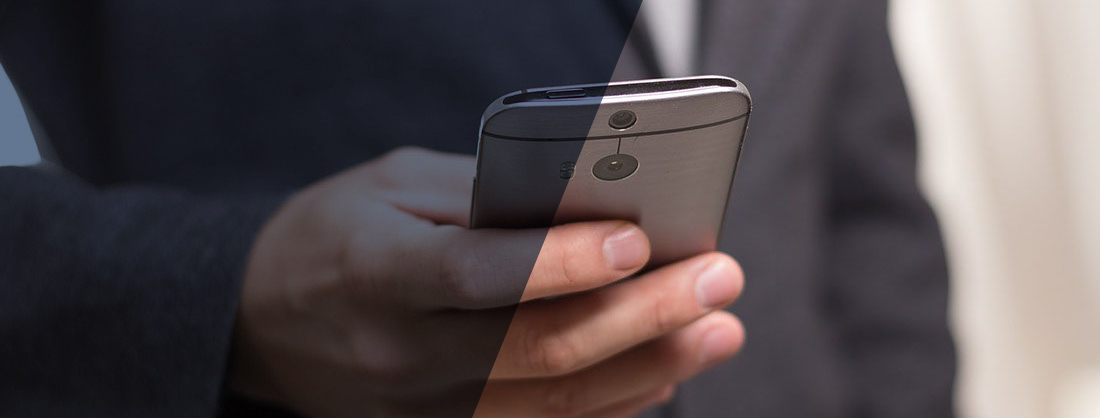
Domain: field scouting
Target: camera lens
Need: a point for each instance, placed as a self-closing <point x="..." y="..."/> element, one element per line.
<point x="623" y="119"/>
<point x="615" y="167"/>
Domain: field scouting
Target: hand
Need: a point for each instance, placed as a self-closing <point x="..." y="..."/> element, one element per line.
<point x="366" y="296"/>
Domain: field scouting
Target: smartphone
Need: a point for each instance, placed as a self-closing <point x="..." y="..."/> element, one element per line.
<point x="661" y="153"/>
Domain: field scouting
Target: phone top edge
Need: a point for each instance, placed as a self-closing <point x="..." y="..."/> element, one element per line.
<point x="538" y="116"/>
<point x="678" y="83"/>
<point x="668" y="83"/>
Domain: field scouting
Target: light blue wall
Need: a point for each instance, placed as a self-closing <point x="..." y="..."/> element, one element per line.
<point x="16" y="145"/>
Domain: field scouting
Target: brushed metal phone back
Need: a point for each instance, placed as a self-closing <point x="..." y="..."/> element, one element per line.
<point x="542" y="154"/>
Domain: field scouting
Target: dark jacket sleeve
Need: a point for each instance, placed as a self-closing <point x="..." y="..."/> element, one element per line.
<point x="888" y="275"/>
<point x="117" y="302"/>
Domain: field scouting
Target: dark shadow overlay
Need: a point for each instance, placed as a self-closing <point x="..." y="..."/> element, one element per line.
<point x="235" y="105"/>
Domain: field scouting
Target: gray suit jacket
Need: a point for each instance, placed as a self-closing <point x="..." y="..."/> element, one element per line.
<point x="174" y="128"/>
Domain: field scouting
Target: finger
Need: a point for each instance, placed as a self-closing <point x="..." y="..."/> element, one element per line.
<point x="455" y="268"/>
<point x="669" y="360"/>
<point x="558" y="337"/>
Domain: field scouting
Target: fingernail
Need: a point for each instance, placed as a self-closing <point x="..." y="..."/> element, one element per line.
<point x="626" y="248"/>
<point x="718" y="285"/>
<point x="719" y="344"/>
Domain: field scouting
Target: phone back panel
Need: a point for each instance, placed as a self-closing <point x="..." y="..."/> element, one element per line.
<point x="536" y="163"/>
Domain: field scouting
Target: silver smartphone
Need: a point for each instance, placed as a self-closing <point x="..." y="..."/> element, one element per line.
<point x="661" y="153"/>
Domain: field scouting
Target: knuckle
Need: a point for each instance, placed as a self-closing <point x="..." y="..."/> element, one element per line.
<point x="565" y="260"/>
<point x="384" y="368"/>
<point x="664" y="312"/>
<point x="551" y="354"/>
<point x="456" y="276"/>
<point x="570" y="271"/>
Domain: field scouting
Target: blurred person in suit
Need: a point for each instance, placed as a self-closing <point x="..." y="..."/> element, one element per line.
<point x="230" y="221"/>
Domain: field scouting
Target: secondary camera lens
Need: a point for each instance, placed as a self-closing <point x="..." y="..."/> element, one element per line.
<point x="623" y="119"/>
<point x="615" y="167"/>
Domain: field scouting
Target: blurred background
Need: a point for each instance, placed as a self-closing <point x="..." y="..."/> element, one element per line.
<point x="16" y="145"/>
<point x="1007" y="99"/>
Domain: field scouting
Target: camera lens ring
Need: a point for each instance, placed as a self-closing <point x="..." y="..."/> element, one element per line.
<point x="622" y="120"/>
<point x="615" y="167"/>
